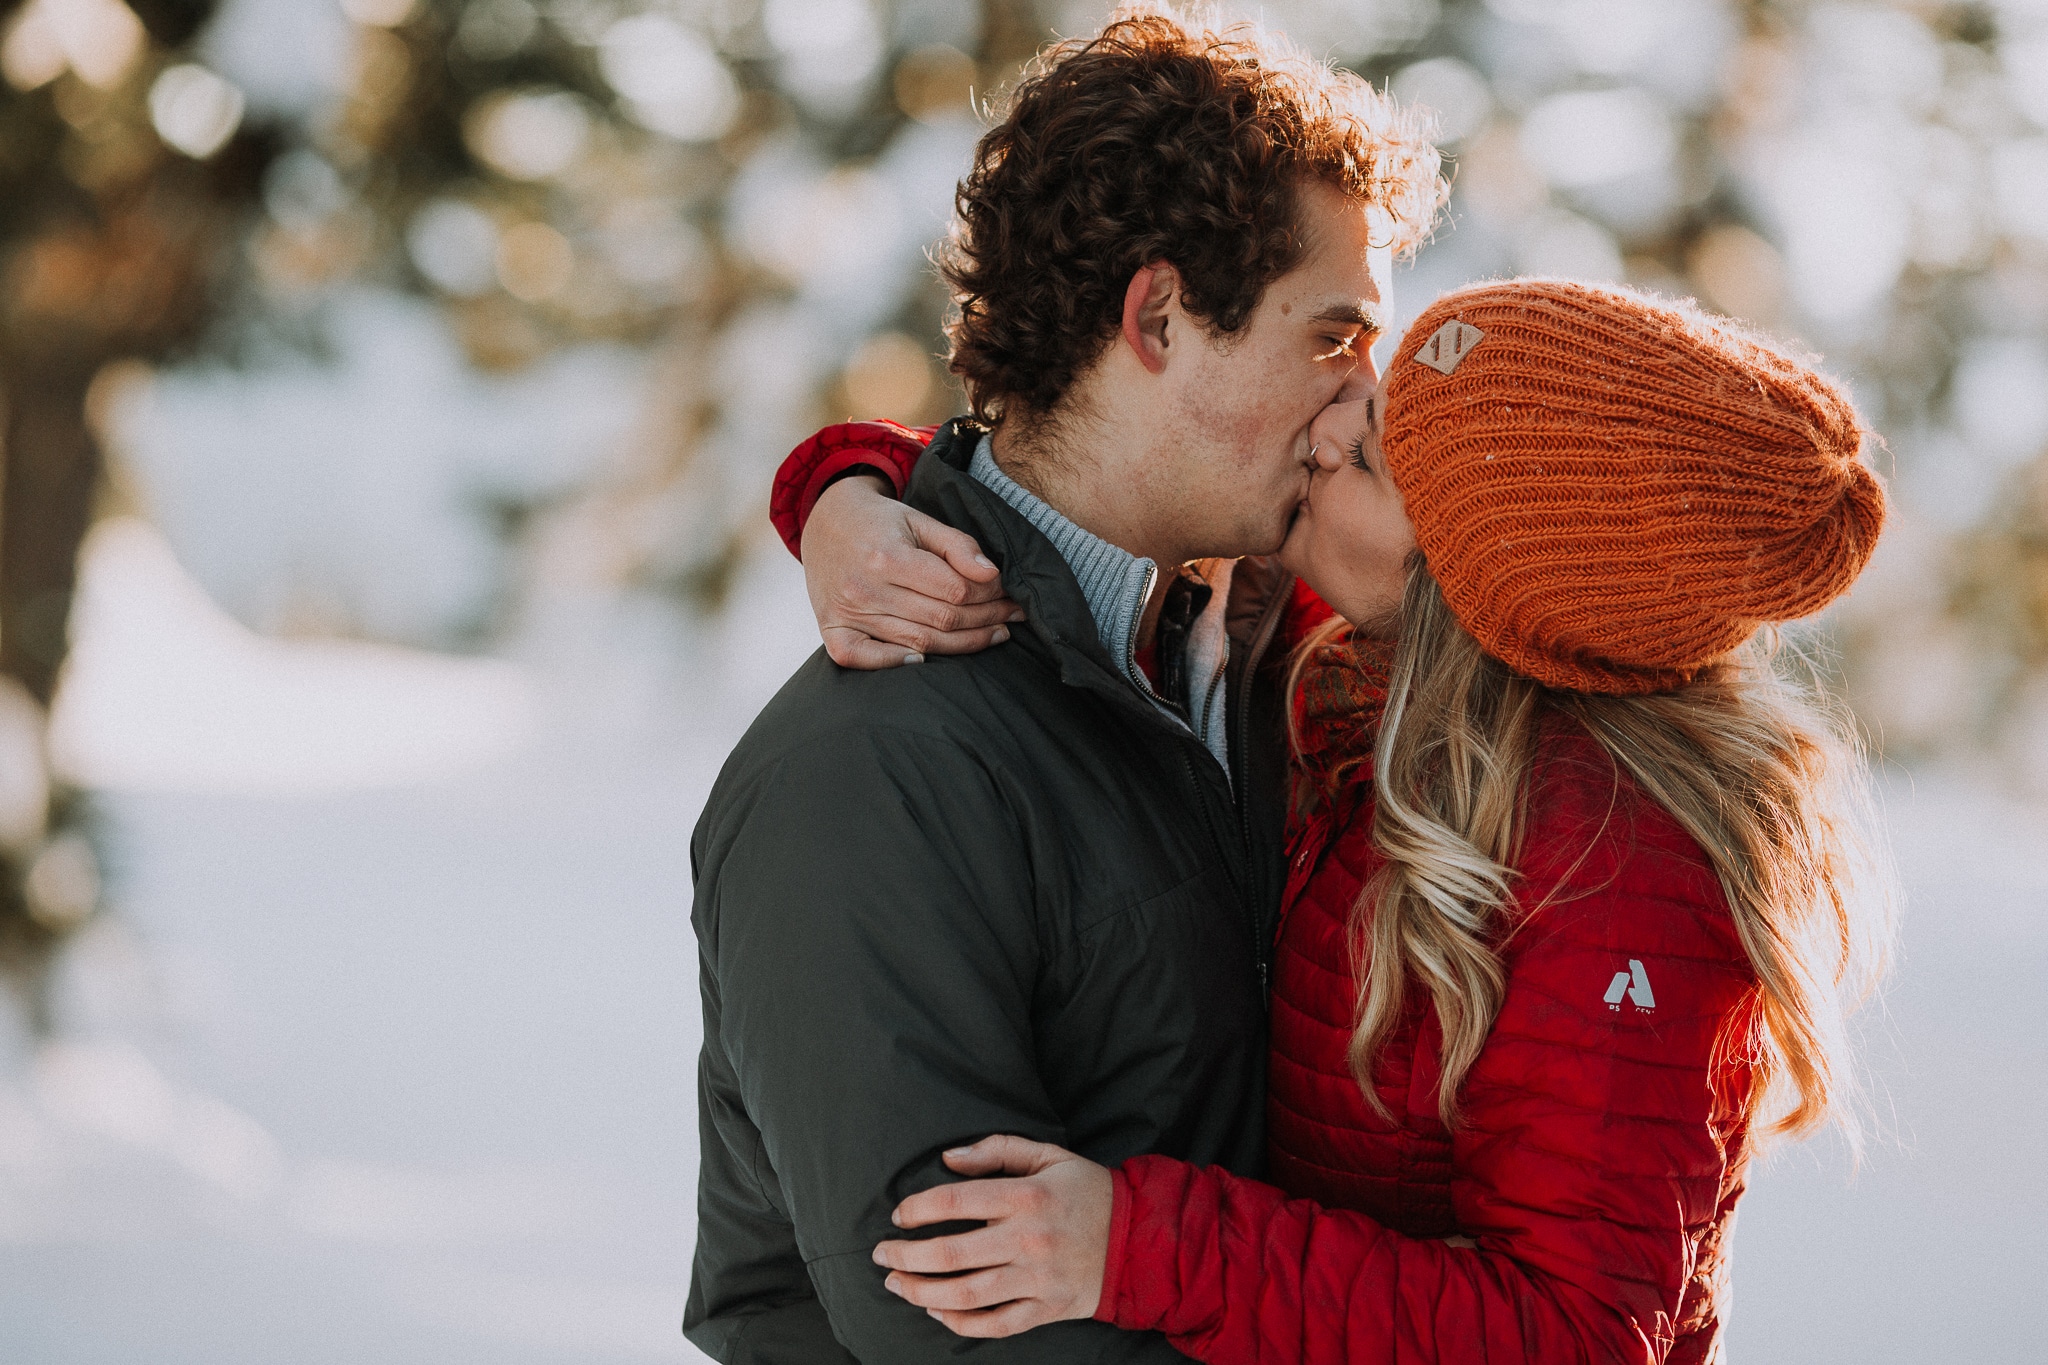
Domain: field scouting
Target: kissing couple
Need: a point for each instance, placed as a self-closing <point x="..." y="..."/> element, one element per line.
<point x="1279" y="861"/>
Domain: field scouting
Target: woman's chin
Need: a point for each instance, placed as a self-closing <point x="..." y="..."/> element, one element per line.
<point x="1293" y="552"/>
<point x="1296" y="559"/>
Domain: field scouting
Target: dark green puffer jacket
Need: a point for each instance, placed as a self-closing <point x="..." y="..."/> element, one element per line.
<point x="992" y="894"/>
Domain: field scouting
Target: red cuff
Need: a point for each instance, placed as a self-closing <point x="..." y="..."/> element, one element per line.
<point x="890" y="448"/>
<point x="1119" y="1238"/>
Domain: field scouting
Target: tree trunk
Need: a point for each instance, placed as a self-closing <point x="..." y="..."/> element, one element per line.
<point x="49" y="467"/>
<point x="49" y="470"/>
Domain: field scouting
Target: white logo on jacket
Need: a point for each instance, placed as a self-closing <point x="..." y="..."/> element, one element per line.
<point x="1634" y="983"/>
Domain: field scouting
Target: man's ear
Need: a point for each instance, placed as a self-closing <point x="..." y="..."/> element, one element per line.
<point x="1148" y="302"/>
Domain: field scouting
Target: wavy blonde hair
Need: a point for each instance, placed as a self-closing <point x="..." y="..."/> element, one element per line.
<point x="1760" y="770"/>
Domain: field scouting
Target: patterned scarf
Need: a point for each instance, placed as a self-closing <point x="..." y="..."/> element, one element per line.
<point x="1337" y="706"/>
<point x="1337" y="710"/>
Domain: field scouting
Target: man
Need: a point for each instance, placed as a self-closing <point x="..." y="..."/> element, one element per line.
<point x="1030" y="891"/>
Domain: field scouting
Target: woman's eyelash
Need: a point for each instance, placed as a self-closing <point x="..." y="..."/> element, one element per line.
<point x="1358" y="455"/>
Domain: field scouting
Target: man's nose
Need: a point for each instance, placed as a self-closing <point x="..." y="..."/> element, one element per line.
<point x="1362" y="382"/>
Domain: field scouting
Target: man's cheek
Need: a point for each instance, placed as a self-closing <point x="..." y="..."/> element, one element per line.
<point x="1230" y="426"/>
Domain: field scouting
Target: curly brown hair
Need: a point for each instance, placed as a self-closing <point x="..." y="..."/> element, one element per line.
<point x="1157" y="139"/>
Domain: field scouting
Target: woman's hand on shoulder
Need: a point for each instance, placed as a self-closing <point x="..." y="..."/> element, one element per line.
<point x="891" y="585"/>
<point x="1038" y="1259"/>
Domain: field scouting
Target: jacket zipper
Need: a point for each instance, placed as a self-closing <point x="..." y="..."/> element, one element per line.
<point x="1240" y="706"/>
<point x="1241" y="703"/>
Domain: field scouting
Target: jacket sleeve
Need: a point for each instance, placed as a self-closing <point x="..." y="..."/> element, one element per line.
<point x="886" y="447"/>
<point x="1588" y="1171"/>
<point x="868" y="918"/>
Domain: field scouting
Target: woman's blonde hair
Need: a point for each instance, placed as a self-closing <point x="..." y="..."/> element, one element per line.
<point x="1761" y="771"/>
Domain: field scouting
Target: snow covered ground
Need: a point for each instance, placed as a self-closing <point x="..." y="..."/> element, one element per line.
<point x="396" y="1065"/>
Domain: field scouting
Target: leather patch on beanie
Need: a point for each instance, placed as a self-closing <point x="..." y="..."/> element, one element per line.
<point x="1448" y="345"/>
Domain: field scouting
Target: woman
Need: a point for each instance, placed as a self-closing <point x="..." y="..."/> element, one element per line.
<point x="1579" y="902"/>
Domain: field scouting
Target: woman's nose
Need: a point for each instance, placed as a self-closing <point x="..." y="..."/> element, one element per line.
<point x="1328" y="455"/>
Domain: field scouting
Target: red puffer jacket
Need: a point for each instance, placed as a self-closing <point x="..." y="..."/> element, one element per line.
<point x="1602" y="1146"/>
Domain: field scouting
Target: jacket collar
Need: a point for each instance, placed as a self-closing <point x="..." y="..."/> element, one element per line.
<point x="1059" y="624"/>
<point x="1115" y="583"/>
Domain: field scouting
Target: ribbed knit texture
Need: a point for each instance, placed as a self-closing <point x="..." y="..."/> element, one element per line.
<point x="1613" y="491"/>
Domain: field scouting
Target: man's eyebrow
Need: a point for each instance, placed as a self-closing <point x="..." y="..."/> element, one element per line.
<point x="1351" y="315"/>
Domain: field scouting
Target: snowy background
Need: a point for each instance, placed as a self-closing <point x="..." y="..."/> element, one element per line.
<point x="402" y="1070"/>
<point x="402" y="661"/>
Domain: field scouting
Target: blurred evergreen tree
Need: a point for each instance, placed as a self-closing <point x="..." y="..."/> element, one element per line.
<point x="125" y="171"/>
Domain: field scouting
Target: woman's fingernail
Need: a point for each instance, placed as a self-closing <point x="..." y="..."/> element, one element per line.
<point x="1017" y="615"/>
<point x="984" y="561"/>
<point x="958" y="1151"/>
<point x="913" y="658"/>
<point x="893" y="1287"/>
<point x="877" y="1256"/>
<point x="1002" y="633"/>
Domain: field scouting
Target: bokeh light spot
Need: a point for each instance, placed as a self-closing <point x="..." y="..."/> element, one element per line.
<point x="98" y="39"/>
<point x="1450" y="89"/>
<point x="455" y="245"/>
<point x="830" y="50"/>
<point x="31" y="55"/>
<point x="530" y="135"/>
<point x="194" y="110"/>
<point x="670" y="78"/>
<point x="1589" y="137"/>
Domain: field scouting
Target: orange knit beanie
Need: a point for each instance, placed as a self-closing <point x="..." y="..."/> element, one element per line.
<point x="1612" y="490"/>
